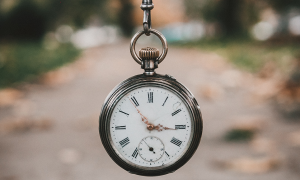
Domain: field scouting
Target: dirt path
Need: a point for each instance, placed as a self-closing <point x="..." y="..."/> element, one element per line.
<point x="69" y="147"/>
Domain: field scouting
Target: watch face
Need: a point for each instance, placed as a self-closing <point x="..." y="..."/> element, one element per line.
<point x="150" y="127"/>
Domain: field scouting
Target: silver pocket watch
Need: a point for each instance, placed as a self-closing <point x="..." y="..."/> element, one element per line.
<point x="150" y="124"/>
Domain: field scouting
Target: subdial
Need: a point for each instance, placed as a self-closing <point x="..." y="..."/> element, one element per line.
<point x="151" y="149"/>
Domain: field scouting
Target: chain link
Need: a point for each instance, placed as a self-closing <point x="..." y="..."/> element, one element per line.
<point x="147" y="6"/>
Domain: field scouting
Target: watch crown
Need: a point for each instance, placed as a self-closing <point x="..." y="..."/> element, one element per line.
<point x="149" y="53"/>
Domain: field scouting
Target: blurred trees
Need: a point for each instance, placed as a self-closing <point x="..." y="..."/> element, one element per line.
<point x="235" y="17"/>
<point x="30" y="19"/>
<point x="284" y="8"/>
<point x="25" y="21"/>
<point x="284" y="5"/>
<point x="73" y="12"/>
<point x="125" y="17"/>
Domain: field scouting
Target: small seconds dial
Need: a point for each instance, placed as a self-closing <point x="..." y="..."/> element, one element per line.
<point x="150" y="127"/>
<point x="151" y="149"/>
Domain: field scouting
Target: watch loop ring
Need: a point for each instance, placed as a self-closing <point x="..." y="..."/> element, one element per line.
<point x="159" y="35"/>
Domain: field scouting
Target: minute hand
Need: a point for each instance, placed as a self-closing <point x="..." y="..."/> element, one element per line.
<point x="161" y="117"/>
<point x="144" y="119"/>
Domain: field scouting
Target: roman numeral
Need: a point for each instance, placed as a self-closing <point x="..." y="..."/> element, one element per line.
<point x="124" y="142"/>
<point x="179" y="126"/>
<point x="165" y="101"/>
<point x="120" y="127"/>
<point x="167" y="154"/>
<point x="124" y="113"/>
<point x="135" y="153"/>
<point x="176" y="112"/>
<point x="150" y="97"/>
<point x="176" y="141"/>
<point x="135" y="101"/>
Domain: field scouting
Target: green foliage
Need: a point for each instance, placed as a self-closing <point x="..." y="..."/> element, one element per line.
<point x="233" y="17"/>
<point x="25" y="61"/>
<point x="250" y="55"/>
<point x="239" y="135"/>
<point x="206" y="9"/>
<point x="73" y="12"/>
<point x="30" y="19"/>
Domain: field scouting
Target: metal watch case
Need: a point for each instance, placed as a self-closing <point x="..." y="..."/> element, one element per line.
<point x="162" y="81"/>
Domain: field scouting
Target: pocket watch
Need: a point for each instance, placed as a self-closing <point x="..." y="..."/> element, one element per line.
<point x="150" y="124"/>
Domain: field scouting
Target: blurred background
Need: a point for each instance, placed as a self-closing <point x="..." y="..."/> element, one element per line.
<point x="60" y="58"/>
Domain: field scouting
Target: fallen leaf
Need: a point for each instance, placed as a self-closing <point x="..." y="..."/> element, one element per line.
<point x="214" y="62"/>
<point x="212" y="91"/>
<point x="264" y="89"/>
<point x="231" y="78"/>
<point x="263" y="145"/>
<point x="294" y="139"/>
<point x="60" y="76"/>
<point x="252" y="165"/>
<point x="24" y="125"/>
<point x="23" y="108"/>
<point x="268" y="70"/>
<point x="9" y="96"/>
<point x="252" y="123"/>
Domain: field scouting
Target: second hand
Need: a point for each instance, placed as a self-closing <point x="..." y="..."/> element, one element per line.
<point x="150" y="148"/>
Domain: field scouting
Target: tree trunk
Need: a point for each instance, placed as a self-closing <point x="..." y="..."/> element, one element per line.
<point x="230" y="17"/>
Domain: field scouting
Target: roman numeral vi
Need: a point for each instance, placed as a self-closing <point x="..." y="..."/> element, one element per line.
<point x="135" y="153"/>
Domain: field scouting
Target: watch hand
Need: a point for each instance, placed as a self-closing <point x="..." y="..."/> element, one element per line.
<point x="146" y="143"/>
<point x="169" y="113"/>
<point x="160" y="127"/>
<point x="161" y="116"/>
<point x="144" y="119"/>
<point x="150" y="148"/>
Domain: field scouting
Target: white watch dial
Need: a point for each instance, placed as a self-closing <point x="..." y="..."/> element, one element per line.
<point x="169" y="127"/>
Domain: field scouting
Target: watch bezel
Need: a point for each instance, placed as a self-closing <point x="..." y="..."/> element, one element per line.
<point x="154" y="81"/>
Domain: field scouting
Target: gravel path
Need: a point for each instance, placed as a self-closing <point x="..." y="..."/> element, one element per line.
<point x="69" y="147"/>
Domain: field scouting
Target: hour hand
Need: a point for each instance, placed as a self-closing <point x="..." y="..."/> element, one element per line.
<point x="160" y="127"/>
<point x="144" y="119"/>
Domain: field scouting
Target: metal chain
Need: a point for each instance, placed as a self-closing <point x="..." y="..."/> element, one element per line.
<point x="147" y="6"/>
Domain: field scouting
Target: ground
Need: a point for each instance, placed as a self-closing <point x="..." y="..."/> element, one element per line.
<point x="50" y="131"/>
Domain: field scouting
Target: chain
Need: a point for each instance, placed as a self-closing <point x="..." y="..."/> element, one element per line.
<point x="147" y="6"/>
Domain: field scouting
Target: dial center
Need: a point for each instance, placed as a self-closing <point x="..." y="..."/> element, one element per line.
<point x="150" y="127"/>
